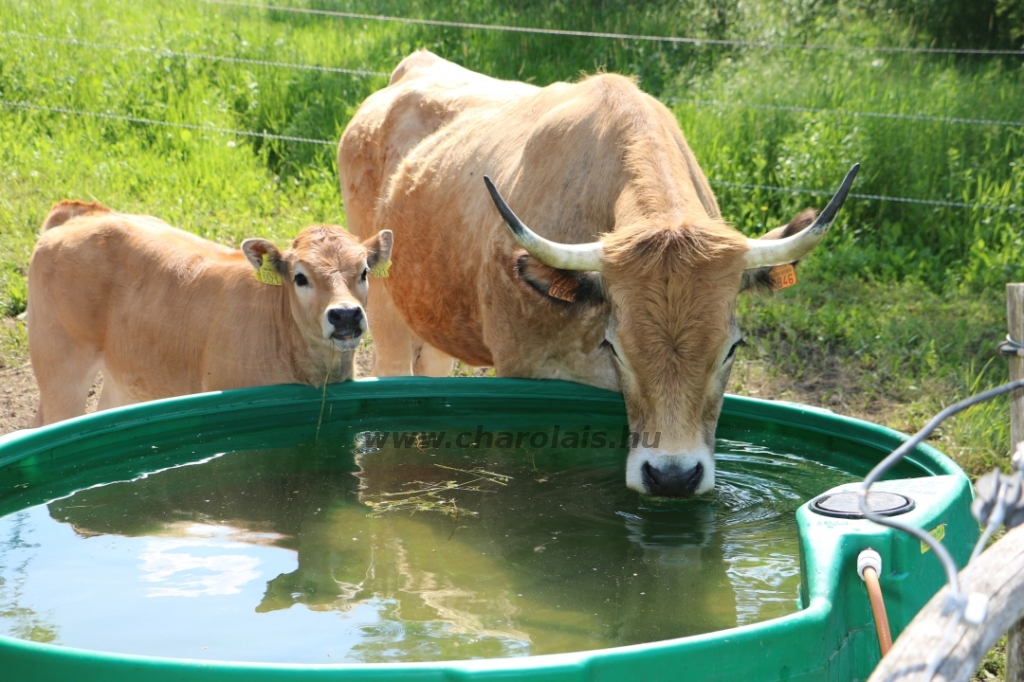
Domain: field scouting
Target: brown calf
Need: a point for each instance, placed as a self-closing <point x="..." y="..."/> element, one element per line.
<point x="161" y="312"/>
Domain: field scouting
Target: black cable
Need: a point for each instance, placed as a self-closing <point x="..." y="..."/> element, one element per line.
<point x="899" y="453"/>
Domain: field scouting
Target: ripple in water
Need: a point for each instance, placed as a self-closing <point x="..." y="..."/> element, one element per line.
<point x="382" y="630"/>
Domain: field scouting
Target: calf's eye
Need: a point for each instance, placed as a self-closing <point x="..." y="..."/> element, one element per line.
<point x="365" y="272"/>
<point x="300" y="280"/>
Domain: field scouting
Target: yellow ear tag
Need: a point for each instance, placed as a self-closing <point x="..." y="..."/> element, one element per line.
<point x="381" y="269"/>
<point x="267" y="274"/>
<point x="782" y="276"/>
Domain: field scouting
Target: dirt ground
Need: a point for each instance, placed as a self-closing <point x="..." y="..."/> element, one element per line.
<point x="828" y="386"/>
<point x="18" y="398"/>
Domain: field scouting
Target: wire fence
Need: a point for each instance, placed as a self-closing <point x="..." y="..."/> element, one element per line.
<point x="163" y="52"/>
<point x="873" y="197"/>
<point x="364" y="72"/>
<point x="844" y="112"/>
<point x="602" y="34"/>
<point x="333" y="143"/>
<point x="166" y="124"/>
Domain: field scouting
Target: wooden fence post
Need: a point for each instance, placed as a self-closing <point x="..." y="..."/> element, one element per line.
<point x="1015" y="327"/>
<point x="999" y="575"/>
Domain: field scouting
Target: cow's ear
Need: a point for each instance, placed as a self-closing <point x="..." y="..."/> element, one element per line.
<point x="763" y="279"/>
<point x="378" y="248"/>
<point x="564" y="286"/>
<point x="254" y="250"/>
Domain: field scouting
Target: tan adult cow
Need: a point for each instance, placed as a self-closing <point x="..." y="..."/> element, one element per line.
<point x="161" y="312"/>
<point x="629" y="282"/>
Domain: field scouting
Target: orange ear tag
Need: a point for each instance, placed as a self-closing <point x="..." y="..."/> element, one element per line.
<point x="782" y="276"/>
<point x="564" y="289"/>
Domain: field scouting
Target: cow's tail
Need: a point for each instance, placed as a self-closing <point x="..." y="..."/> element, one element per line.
<point x="67" y="209"/>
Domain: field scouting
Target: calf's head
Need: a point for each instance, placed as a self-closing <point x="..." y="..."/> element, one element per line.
<point x="670" y="329"/>
<point x="325" y="274"/>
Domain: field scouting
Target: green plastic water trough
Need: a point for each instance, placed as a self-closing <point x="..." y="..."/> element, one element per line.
<point x="831" y="635"/>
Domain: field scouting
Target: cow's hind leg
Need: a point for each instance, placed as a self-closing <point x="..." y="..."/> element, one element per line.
<point x="397" y="351"/>
<point x="431" y="362"/>
<point x="394" y="344"/>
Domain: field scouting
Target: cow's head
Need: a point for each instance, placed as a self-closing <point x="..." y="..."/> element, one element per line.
<point x="670" y="330"/>
<point x="325" y="275"/>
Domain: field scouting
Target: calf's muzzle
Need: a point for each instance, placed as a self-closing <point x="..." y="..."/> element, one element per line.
<point x="347" y="322"/>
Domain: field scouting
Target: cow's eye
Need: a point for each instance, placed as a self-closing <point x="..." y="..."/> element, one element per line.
<point x="366" y="271"/>
<point x="732" y="351"/>
<point x="300" y="280"/>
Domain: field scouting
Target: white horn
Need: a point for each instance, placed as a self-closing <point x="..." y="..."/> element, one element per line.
<point x="764" y="253"/>
<point x="553" y="254"/>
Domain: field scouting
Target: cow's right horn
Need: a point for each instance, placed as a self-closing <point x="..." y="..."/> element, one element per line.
<point x="771" y="252"/>
<point x="553" y="254"/>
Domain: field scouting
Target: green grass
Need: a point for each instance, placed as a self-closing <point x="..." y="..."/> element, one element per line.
<point x="895" y="315"/>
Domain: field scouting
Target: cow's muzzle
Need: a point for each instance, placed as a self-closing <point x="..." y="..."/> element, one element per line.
<point x="672" y="481"/>
<point x="664" y="474"/>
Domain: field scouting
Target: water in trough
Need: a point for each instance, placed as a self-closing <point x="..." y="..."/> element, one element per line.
<point x="358" y="550"/>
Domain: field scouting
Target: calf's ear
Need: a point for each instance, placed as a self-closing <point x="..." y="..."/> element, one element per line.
<point x="254" y="250"/>
<point x="764" y="279"/>
<point x="378" y="248"/>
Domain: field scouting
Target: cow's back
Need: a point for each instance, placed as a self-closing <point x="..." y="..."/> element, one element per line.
<point x="425" y="94"/>
<point x="95" y="265"/>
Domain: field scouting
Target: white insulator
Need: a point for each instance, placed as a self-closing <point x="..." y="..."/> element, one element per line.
<point x="869" y="558"/>
<point x="977" y="608"/>
<point x="1017" y="460"/>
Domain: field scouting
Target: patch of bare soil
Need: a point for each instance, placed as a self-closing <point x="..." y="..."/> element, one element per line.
<point x="827" y="381"/>
<point x="18" y="398"/>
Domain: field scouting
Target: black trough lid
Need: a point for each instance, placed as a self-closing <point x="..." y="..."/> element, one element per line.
<point x="847" y="505"/>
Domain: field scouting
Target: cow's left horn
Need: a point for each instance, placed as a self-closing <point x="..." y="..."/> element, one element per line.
<point x="770" y="252"/>
<point x="553" y="254"/>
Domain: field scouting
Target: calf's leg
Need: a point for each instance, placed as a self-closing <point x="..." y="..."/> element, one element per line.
<point x="112" y="395"/>
<point x="64" y="382"/>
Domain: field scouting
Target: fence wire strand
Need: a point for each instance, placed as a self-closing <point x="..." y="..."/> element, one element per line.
<point x="162" y="52"/>
<point x="168" y="124"/>
<point x="603" y="34"/>
<point x="331" y="143"/>
<point x="844" y="112"/>
<point x="873" y="197"/>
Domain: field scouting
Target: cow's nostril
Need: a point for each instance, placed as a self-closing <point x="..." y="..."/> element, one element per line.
<point x="692" y="479"/>
<point x="651" y="478"/>
<point x="672" y="481"/>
